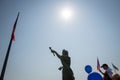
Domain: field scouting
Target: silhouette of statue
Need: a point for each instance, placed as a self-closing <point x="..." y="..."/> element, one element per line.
<point x="67" y="73"/>
<point x="92" y="75"/>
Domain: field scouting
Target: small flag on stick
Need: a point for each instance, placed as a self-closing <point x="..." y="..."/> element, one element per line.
<point x="98" y="64"/>
<point x="116" y="68"/>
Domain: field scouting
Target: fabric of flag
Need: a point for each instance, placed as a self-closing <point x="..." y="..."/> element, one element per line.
<point x="13" y="36"/>
<point x="98" y="64"/>
<point x="14" y="27"/>
<point x="115" y="67"/>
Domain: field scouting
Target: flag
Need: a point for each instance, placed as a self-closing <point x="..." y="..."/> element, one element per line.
<point x="98" y="64"/>
<point x="115" y="67"/>
<point x="14" y="27"/>
<point x="8" y="50"/>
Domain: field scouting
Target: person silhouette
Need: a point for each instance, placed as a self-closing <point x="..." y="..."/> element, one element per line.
<point x="107" y="75"/>
<point x="67" y="73"/>
<point x="92" y="75"/>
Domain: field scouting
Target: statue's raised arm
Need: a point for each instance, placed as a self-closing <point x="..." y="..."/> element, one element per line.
<point x="54" y="52"/>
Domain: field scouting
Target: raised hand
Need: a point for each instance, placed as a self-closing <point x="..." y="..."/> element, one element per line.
<point x="53" y="51"/>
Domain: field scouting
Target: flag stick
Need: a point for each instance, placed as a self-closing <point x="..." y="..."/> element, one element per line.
<point x="8" y="51"/>
<point x="98" y="64"/>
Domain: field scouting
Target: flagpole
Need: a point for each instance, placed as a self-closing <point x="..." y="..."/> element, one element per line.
<point x="115" y="71"/>
<point x="98" y="64"/>
<point x="8" y="51"/>
<point x="115" y="68"/>
<point x="6" y="60"/>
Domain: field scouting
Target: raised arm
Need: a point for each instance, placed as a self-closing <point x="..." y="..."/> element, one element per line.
<point x="101" y="72"/>
<point x="54" y="52"/>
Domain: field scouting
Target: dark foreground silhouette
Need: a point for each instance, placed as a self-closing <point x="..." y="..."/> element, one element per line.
<point x="67" y="73"/>
<point x="116" y="77"/>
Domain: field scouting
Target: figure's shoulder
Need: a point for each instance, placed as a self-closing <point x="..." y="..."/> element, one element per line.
<point x="109" y="70"/>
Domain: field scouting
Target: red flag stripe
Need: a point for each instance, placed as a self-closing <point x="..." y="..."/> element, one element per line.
<point x="98" y="64"/>
<point x="14" y="27"/>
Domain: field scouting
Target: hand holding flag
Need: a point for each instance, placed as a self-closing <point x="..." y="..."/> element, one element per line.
<point x="53" y="51"/>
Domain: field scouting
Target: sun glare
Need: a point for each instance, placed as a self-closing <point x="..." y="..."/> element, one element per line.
<point x="66" y="13"/>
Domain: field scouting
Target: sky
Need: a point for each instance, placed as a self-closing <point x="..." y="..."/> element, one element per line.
<point x="92" y="31"/>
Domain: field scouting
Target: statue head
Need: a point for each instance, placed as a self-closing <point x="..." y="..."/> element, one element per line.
<point x="65" y="52"/>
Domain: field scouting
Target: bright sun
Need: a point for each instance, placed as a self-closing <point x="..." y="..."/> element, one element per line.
<point x="66" y="13"/>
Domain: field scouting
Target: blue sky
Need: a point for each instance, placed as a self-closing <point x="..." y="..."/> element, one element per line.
<point x="92" y="32"/>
